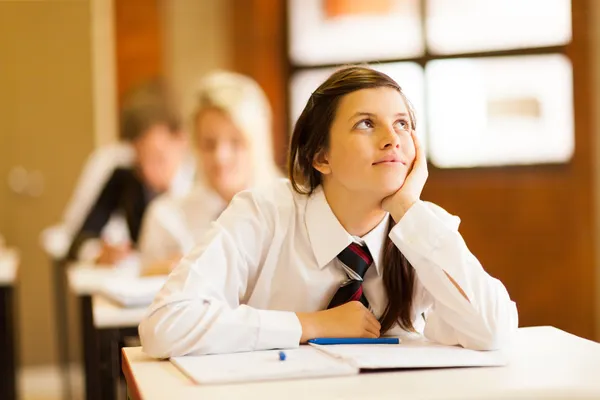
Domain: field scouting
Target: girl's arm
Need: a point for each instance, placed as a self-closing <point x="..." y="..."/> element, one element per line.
<point x="161" y="236"/>
<point x="470" y="307"/>
<point x="201" y="309"/>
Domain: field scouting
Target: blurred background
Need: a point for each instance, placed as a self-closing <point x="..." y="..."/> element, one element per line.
<point x="507" y="94"/>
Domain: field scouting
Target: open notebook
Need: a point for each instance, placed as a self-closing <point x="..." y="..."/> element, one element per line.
<point x="316" y="361"/>
<point x="304" y="362"/>
<point x="132" y="291"/>
<point x="413" y="354"/>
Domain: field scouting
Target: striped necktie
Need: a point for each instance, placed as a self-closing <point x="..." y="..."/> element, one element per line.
<point x="356" y="259"/>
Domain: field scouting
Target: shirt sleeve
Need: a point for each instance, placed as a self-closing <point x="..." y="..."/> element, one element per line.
<point x="428" y="237"/>
<point x="96" y="172"/>
<point x="100" y="213"/>
<point x="162" y="232"/>
<point x="201" y="309"/>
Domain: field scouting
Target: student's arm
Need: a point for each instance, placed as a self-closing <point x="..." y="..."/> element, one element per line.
<point x="97" y="170"/>
<point x="98" y="216"/>
<point x="161" y="241"/>
<point x="470" y="307"/>
<point x="201" y="309"/>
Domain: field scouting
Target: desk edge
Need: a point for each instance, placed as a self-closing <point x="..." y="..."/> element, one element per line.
<point x="132" y="387"/>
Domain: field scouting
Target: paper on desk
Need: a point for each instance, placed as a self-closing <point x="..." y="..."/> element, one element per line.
<point x="132" y="291"/>
<point x="86" y="278"/>
<point x="9" y="260"/>
<point x="303" y="362"/>
<point x="418" y="354"/>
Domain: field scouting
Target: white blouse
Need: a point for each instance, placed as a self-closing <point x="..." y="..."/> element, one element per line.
<point x="273" y="252"/>
<point x="172" y="225"/>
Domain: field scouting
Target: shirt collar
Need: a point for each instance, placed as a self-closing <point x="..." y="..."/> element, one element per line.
<point x="328" y="237"/>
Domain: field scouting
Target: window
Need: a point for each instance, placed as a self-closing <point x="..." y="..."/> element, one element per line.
<point x="484" y="95"/>
<point x="496" y="24"/>
<point x="500" y="110"/>
<point x="333" y="31"/>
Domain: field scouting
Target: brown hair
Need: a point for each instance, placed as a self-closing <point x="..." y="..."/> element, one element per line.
<point x="311" y="136"/>
<point x="146" y="106"/>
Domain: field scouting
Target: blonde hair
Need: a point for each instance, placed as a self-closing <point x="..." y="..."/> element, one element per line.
<point x="243" y="100"/>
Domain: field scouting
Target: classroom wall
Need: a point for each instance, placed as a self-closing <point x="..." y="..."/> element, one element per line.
<point x="191" y="36"/>
<point x="196" y="41"/>
<point x="47" y="129"/>
<point x="104" y="71"/>
<point x="594" y="33"/>
<point x="139" y="49"/>
<point x="258" y="45"/>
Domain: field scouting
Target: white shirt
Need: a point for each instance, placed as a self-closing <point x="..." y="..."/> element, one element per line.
<point x="273" y="253"/>
<point x="172" y="225"/>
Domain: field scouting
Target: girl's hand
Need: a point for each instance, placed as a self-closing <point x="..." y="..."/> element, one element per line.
<point x="112" y="254"/>
<point x="398" y="203"/>
<point x="352" y="319"/>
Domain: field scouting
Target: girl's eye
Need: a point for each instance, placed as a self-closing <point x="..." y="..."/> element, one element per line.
<point x="402" y="124"/>
<point x="364" y="124"/>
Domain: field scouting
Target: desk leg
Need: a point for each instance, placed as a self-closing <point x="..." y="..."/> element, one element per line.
<point x="109" y="344"/>
<point x="62" y="327"/>
<point x="91" y="359"/>
<point x="8" y="376"/>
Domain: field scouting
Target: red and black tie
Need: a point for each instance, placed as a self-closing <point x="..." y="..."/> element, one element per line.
<point x="357" y="259"/>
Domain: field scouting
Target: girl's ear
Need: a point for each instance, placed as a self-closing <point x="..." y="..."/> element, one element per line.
<point x="320" y="163"/>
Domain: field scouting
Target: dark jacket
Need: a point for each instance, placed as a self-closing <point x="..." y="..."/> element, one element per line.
<point x="123" y="193"/>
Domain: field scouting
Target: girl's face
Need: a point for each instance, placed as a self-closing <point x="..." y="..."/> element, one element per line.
<point x="224" y="153"/>
<point x="370" y="146"/>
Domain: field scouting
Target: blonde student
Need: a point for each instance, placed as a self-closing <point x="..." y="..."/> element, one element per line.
<point x="232" y="132"/>
<point x="345" y="248"/>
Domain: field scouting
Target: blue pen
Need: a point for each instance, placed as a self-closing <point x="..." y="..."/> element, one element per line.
<point x="328" y="341"/>
<point x="282" y="356"/>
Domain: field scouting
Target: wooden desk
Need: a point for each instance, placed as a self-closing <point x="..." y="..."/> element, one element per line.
<point x="545" y="363"/>
<point x="104" y="327"/>
<point x="8" y="352"/>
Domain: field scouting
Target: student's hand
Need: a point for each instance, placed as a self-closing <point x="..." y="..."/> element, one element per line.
<point x="163" y="267"/>
<point x="398" y="203"/>
<point x="112" y="254"/>
<point x="352" y="319"/>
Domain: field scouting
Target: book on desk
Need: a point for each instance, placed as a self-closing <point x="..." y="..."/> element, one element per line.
<point x="315" y="361"/>
<point x="132" y="291"/>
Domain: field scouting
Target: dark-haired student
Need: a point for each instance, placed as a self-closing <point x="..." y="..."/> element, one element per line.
<point x="163" y="163"/>
<point x="344" y="248"/>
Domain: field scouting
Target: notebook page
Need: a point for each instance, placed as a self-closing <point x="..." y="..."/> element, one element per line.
<point x="413" y="355"/>
<point x="304" y="362"/>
